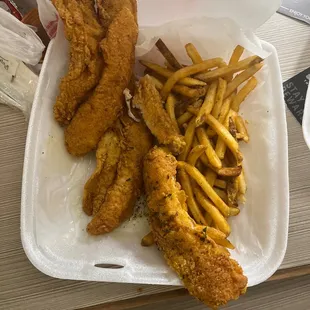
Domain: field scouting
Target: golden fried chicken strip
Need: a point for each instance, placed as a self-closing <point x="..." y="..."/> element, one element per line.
<point x="108" y="9"/>
<point x="107" y="155"/>
<point x="148" y="100"/>
<point x="84" y="34"/>
<point x="207" y="271"/>
<point x="122" y="195"/>
<point x="102" y="109"/>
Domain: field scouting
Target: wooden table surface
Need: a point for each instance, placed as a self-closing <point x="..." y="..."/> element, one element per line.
<point x="24" y="287"/>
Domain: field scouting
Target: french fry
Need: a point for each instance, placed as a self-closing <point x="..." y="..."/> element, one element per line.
<point x="181" y="89"/>
<point x="220" y="147"/>
<point x="210" y="176"/>
<point x="190" y="92"/>
<point x="223" y="114"/>
<point x="148" y="239"/>
<point x="193" y="110"/>
<point x="209" y="191"/>
<point x="216" y="215"/>
<point x="236" y="55"/>
<point x="203" y="157"/>
<point x="226" y="137"/>
<point x="232" y="128"/>
<point x="158" y="84"/>
<point x="229" y="172"/>
<point x="167" y="73"/>
<point x="221" y="194"/>
<point x="191" y="202"/>
<point x="208" y="219"/>
<point x="187" y="71"/>
<point x="193" y="53"/>
<point x="210" y="152"/>
<point x="170" y="107"/>
<point x="242" y="77"/>
<point x="232" y="192"/>
<point x="223" y="242"/>
<point x="189" y="136"/>
<point x="228" y="70"/>
<point x="243" y="93"/>
<point x="222" y="84"/>
<point x="208" y="104"/>
<point x="167" y="54"/>
<point x="216" y="235"/>
<point x="220" y="183"/>
<point x="195" y="153"/>
<point x="242" y="184"/>
<point x="184" y="118"/>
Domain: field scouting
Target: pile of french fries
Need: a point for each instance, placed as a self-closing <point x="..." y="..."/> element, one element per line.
<point x="203" y="100"/>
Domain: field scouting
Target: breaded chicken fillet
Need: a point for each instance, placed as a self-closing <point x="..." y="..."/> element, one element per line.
<point x="107" y="156"/>
<point x="84" y="34"/>
<point x="104" y="106"/>
<point x="127" y="187"/>
<point x="206" y="270"/>
<point x="108" y="9"/>
<point x="148" y="100"/>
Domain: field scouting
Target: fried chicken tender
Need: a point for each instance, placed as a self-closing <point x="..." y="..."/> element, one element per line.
<point x="104" y="106"/>
<point x="127" y="187"/>
<point x="148" y="100"/>
<point x="206" y="269"/>
<point x="108" y="9"/>
<point x="84" y="34"/>
<point x="107" y="156"/>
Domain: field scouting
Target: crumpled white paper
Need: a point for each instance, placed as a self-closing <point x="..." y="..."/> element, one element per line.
<point x="56" y="183"/>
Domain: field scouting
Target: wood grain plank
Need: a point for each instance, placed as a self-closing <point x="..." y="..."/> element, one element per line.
<point x="280" y="275"/>
<point x="284" y="295"/>
<point x="291" y="39"/>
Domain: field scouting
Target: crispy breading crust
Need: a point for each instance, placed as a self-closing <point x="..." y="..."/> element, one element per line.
<point x="148" y="100"/>
<point x="84" y="34"/>
<point x="108" y="9"/>
<point x="107" y="156"/>
<point x="103" y="108"/>
<point x="207" y="271"/>
<point x="122" y="195"/>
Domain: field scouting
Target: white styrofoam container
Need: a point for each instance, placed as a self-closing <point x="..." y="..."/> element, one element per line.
<point x="57" y="244"/>
<point x="53" y="224"/>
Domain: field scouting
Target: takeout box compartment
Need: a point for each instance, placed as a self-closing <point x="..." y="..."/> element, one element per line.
<point x="52" y="221"/>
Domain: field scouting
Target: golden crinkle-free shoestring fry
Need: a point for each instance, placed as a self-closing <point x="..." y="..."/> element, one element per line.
<point x="189" y="136"/>
<point x="170" y="108"/>
<point x="210" y="152"/>
<point x="188" y="81"/>
<point x="243" y="93"/>
<point x="193" y="53"/>
<point x="236" y="55"/>
<point x="188" y="71"/>
<point x="182" y="89"/>
<point x="208" y="104"/>
<point x="209" y="191"/>
<point x="227" y="70"/>
<point x="191" y="203"/>
<point x="221" y="89"/>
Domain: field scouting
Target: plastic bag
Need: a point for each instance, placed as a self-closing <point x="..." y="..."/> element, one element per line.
<point x="48" y="17"/>
<point x="19" y="44"/>
<point x="18" y="40"/>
